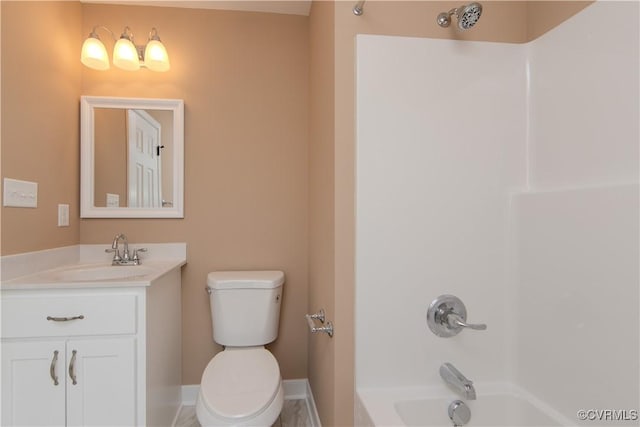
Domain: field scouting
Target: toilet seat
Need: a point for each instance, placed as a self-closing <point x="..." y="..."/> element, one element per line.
<point x="240" y="383"/>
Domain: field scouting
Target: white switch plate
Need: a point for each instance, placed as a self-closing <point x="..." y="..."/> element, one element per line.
<point x="63" y="215"/>
<point x="113" y="200"/>
<point x="20" y="194"/>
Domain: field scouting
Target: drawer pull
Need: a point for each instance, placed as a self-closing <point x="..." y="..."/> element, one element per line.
<point x="65" y="319"/>
<point x="72" y="368"/>
<point x="52" y="369"/>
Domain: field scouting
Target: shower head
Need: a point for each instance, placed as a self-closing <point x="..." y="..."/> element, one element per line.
<point x="467" y="16"/>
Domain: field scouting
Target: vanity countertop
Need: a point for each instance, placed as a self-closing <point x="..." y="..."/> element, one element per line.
<point x="59" y="278"/>
<point x="87" y="266"/>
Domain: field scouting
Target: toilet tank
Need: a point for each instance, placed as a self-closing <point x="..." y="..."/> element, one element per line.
<point x="245" y="306"/>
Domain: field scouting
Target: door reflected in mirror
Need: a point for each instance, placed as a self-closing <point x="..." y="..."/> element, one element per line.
<point x="132" y="158"/>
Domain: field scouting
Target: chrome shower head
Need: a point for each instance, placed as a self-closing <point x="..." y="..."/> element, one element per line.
<point x="467" y="16"/>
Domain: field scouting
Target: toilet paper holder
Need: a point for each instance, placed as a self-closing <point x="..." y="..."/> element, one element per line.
<point x="328" y="329"/>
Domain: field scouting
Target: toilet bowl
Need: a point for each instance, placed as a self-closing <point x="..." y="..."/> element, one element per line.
<point x="241" y="385"/>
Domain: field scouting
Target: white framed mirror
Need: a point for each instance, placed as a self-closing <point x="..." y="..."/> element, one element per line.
<point x="131" y="157"/>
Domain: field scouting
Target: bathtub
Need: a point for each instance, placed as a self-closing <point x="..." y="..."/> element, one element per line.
<point x="497" y="404"/>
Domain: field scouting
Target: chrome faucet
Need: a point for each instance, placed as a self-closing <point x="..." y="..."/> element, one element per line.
<point x="126" y="258"/>
<point x="457" y="381"/>
<point x="117" y="259"/>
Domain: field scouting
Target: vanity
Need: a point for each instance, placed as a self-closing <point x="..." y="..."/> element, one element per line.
<point x="86" y="343"/>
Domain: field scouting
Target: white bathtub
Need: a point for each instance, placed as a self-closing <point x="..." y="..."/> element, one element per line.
<point x="497" y="404"/>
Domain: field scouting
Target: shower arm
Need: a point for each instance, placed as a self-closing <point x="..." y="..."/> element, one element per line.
<point x="453" y="11"/>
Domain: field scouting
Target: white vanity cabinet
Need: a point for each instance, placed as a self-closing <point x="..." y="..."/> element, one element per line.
<point x="69" y="356"/>
<point x="91" y="355"/>
<point x="26" y="385"/>
<point x="103" y="393"/>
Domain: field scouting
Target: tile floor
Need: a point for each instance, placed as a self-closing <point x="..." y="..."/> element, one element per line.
<point x="295" y="413"/>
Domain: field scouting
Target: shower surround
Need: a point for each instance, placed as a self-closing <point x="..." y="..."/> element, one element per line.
<point x="506" y="175"/>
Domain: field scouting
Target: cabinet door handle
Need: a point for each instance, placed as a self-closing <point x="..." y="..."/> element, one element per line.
<point x="72" y="368"/>
<point x="52" y="369"/>
<point x="65" y="319"/>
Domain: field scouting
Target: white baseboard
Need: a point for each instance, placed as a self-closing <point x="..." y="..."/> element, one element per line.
<point x="293" y="390"/>
<point x="311" y="405"/>
<point x="190" y="395"/>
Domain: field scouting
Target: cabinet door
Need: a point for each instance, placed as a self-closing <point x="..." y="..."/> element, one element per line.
<point x="33" y="383"/>
<point x="101" y="382"/>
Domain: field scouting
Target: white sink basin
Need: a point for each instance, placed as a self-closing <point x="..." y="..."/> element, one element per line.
<point x="86" y="273"/>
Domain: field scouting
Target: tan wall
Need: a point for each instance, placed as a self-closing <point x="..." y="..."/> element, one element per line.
<point x="110" y="144"/>
<point x="321" y="204"/>
<point x="244" y="81"/>
<point x="40" y="119"/>
<point x="543" y="16"/>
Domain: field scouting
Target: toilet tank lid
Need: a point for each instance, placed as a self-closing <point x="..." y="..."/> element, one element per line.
<point x="245" y="279"/>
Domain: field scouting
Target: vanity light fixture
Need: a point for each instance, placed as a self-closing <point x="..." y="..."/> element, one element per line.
<point x="126" y="54"/>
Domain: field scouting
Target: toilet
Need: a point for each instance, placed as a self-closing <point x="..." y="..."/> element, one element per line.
<point x="242" y="386"/>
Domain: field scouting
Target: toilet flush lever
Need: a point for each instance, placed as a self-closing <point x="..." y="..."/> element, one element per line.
<point x="447" y="316"/>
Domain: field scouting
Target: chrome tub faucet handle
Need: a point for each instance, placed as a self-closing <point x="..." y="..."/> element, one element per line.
<point x="455" y="321"/>
<point x="447" y="316"/>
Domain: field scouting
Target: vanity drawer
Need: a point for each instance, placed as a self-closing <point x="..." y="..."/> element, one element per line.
<point x="25" y="316"/>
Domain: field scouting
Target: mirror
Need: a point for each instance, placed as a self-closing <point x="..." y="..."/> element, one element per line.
<point x="132" y="157"/>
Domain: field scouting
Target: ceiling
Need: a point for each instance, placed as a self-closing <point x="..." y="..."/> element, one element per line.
<point x="289" y="7"/>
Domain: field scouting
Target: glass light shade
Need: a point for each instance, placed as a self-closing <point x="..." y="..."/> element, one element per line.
<point x="94" y="54"/>
<point x="125" y="55"/>
<point x="156" y="57"/>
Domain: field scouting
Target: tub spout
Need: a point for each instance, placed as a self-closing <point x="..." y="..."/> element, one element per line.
<point x="457" y="381"/>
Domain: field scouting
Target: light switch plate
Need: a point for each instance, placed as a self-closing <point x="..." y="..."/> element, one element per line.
<point x="113" y="200"/>
<point x="63" y="215"/>
<point x="20" y="194"/>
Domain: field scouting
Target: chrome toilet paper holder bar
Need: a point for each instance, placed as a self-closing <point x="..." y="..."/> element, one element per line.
<point x="328" y="329"/>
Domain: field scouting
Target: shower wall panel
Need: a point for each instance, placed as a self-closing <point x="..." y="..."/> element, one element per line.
<point x="584" y="100"/>
<point x="578" y="321"/>
<point x="577" y="298"/>
<point x="440" y="145"/>
<point x="506" y="175"/>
